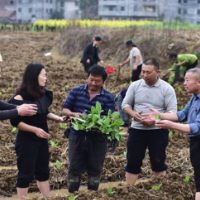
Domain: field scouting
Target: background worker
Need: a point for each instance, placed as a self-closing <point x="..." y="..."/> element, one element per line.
<point x="9" y="111"/>
<point x="90" y="54"/>
<point x="150" y="91"/>
<point x="182" y="63"/>
<point x="87" y="150"/>
<point x="191" y="114"/>
<point x="119" y="99"/>
<point x="135" y="60"/>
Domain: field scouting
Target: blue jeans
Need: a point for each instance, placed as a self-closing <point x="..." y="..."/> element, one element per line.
<point x="123" y="116"/>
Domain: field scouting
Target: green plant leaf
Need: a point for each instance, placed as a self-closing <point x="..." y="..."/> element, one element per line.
<point x="14" y="129"/>
<point x="179" y="88"/>
<point x="9" y="88"/>
<point x="53" y="144"/>
<point x="67" y="86"/>
<point x="98" y="107"/>
<point x="93" y="110"/>
<point x="125" y="154"/>
<point x="0" y="93"/>
<point x="158" y="118"/>
<point x="157" y="187"/>
<point x="112" y="91"/>
<point x="125" y="84"/>
<point x="72" y="197"/>
<point x="181" y="107"/>
<point x="58" y="164"/>
<point x="186" y="180"/>
<point x="170" y="134"/>
<point x="110" y="192"/>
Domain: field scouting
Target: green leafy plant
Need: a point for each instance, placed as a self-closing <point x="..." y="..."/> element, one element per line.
<point x="9" y="88"/>
<point x="170" y="134"/>
<point x="110" y="192"/>
<point x="131" y="82"/>
<point x="0" y="93"/>
<point x="72" y="197"/>
<point x="186" y="179"/>
<point x="112" y="91"/>
<point x="58" y="164"/>
<point x="181" y="107"/>
<point x="157" y="187"/>
<point x="125" y="84"/>
<point x="171" y="77"/>
<point x="179" y="88"/>
<point x="63" y="125"/>
<point x="14" y="129"/>
<point x="95" y="122"/>
<point x="67" y="86"/>
<point x="125" y="154"/>
<point x="53" y="144"/>
<point x="158" y="118"/>
<point x="60" y="112"/>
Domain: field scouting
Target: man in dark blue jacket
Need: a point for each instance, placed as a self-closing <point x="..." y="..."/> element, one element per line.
<point x="86" y="151"/>
<point x="90" y="54"/>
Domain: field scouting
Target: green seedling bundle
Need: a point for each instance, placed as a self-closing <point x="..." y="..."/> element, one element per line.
<point x="94" y="122"/>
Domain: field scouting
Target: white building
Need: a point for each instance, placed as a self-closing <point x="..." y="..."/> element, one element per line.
<point x="70" y="9"/>
<point x="40" y="9"/>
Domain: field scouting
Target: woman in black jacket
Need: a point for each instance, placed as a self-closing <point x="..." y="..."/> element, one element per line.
<point x="90" y="54"/>
<point x="31" y="143"/>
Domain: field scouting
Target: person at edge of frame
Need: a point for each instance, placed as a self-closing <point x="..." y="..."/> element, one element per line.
<point x="191" y="114"/>
<point x="90" y="54"/>
<point x="135" y="60"/>
<point x="31" y="144"/>
<point x="87" y="150"/>
<point x="150" y="91"/>
<point x="9" y="111"/>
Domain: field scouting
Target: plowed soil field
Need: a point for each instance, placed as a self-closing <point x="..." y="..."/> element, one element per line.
<point x="20" y="49"/>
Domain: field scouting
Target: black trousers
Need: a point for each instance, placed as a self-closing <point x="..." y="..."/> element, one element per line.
<point x="88" y="66"/>
<point x="32" y="160"/>
<point x="191" y="66"/>
<point x="86" y="153"/>
<point x="156" y="140"/>
<point x="195" y="160"/>
<point x="136" y="73"/>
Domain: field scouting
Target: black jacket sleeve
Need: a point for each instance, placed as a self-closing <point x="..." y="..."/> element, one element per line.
<point x="7" y="111"/>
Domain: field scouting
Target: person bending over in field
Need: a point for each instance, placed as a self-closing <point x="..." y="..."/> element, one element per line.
<point x="90" y="54"/>
<point x="150" y="91"/>
<point x="87" y="151"/>
<point x="31" y="143"/>
<point x="9" y="111"/>
<point x="191" y="114"/>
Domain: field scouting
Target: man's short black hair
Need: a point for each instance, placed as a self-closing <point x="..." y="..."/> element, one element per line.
<point x="152" y="61"/>
<point x="97" y="70"/>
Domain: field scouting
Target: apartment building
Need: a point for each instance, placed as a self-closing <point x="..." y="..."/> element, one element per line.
<point x="27" y="10"/>
<point x="186" y="10"/>
<point x="127" y="9"/>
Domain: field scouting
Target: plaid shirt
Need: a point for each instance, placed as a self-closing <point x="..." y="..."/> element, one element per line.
<point x="191" y="114"/>
<point x="78" y="100"/>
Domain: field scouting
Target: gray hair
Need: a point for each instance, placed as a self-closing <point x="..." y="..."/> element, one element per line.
<point x="195" y="72"/>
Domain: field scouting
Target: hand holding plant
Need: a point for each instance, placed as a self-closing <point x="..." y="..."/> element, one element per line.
<point x="151" y="116"/>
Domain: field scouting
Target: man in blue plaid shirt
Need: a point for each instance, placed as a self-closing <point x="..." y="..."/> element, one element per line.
<point x="191" y="114"/>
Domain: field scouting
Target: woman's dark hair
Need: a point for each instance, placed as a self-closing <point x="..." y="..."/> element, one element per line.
<point x="97" y="70"/>
<point x="30" y="86"/>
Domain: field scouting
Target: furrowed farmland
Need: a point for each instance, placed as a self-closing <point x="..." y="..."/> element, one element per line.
<point x="64" y="48"/>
